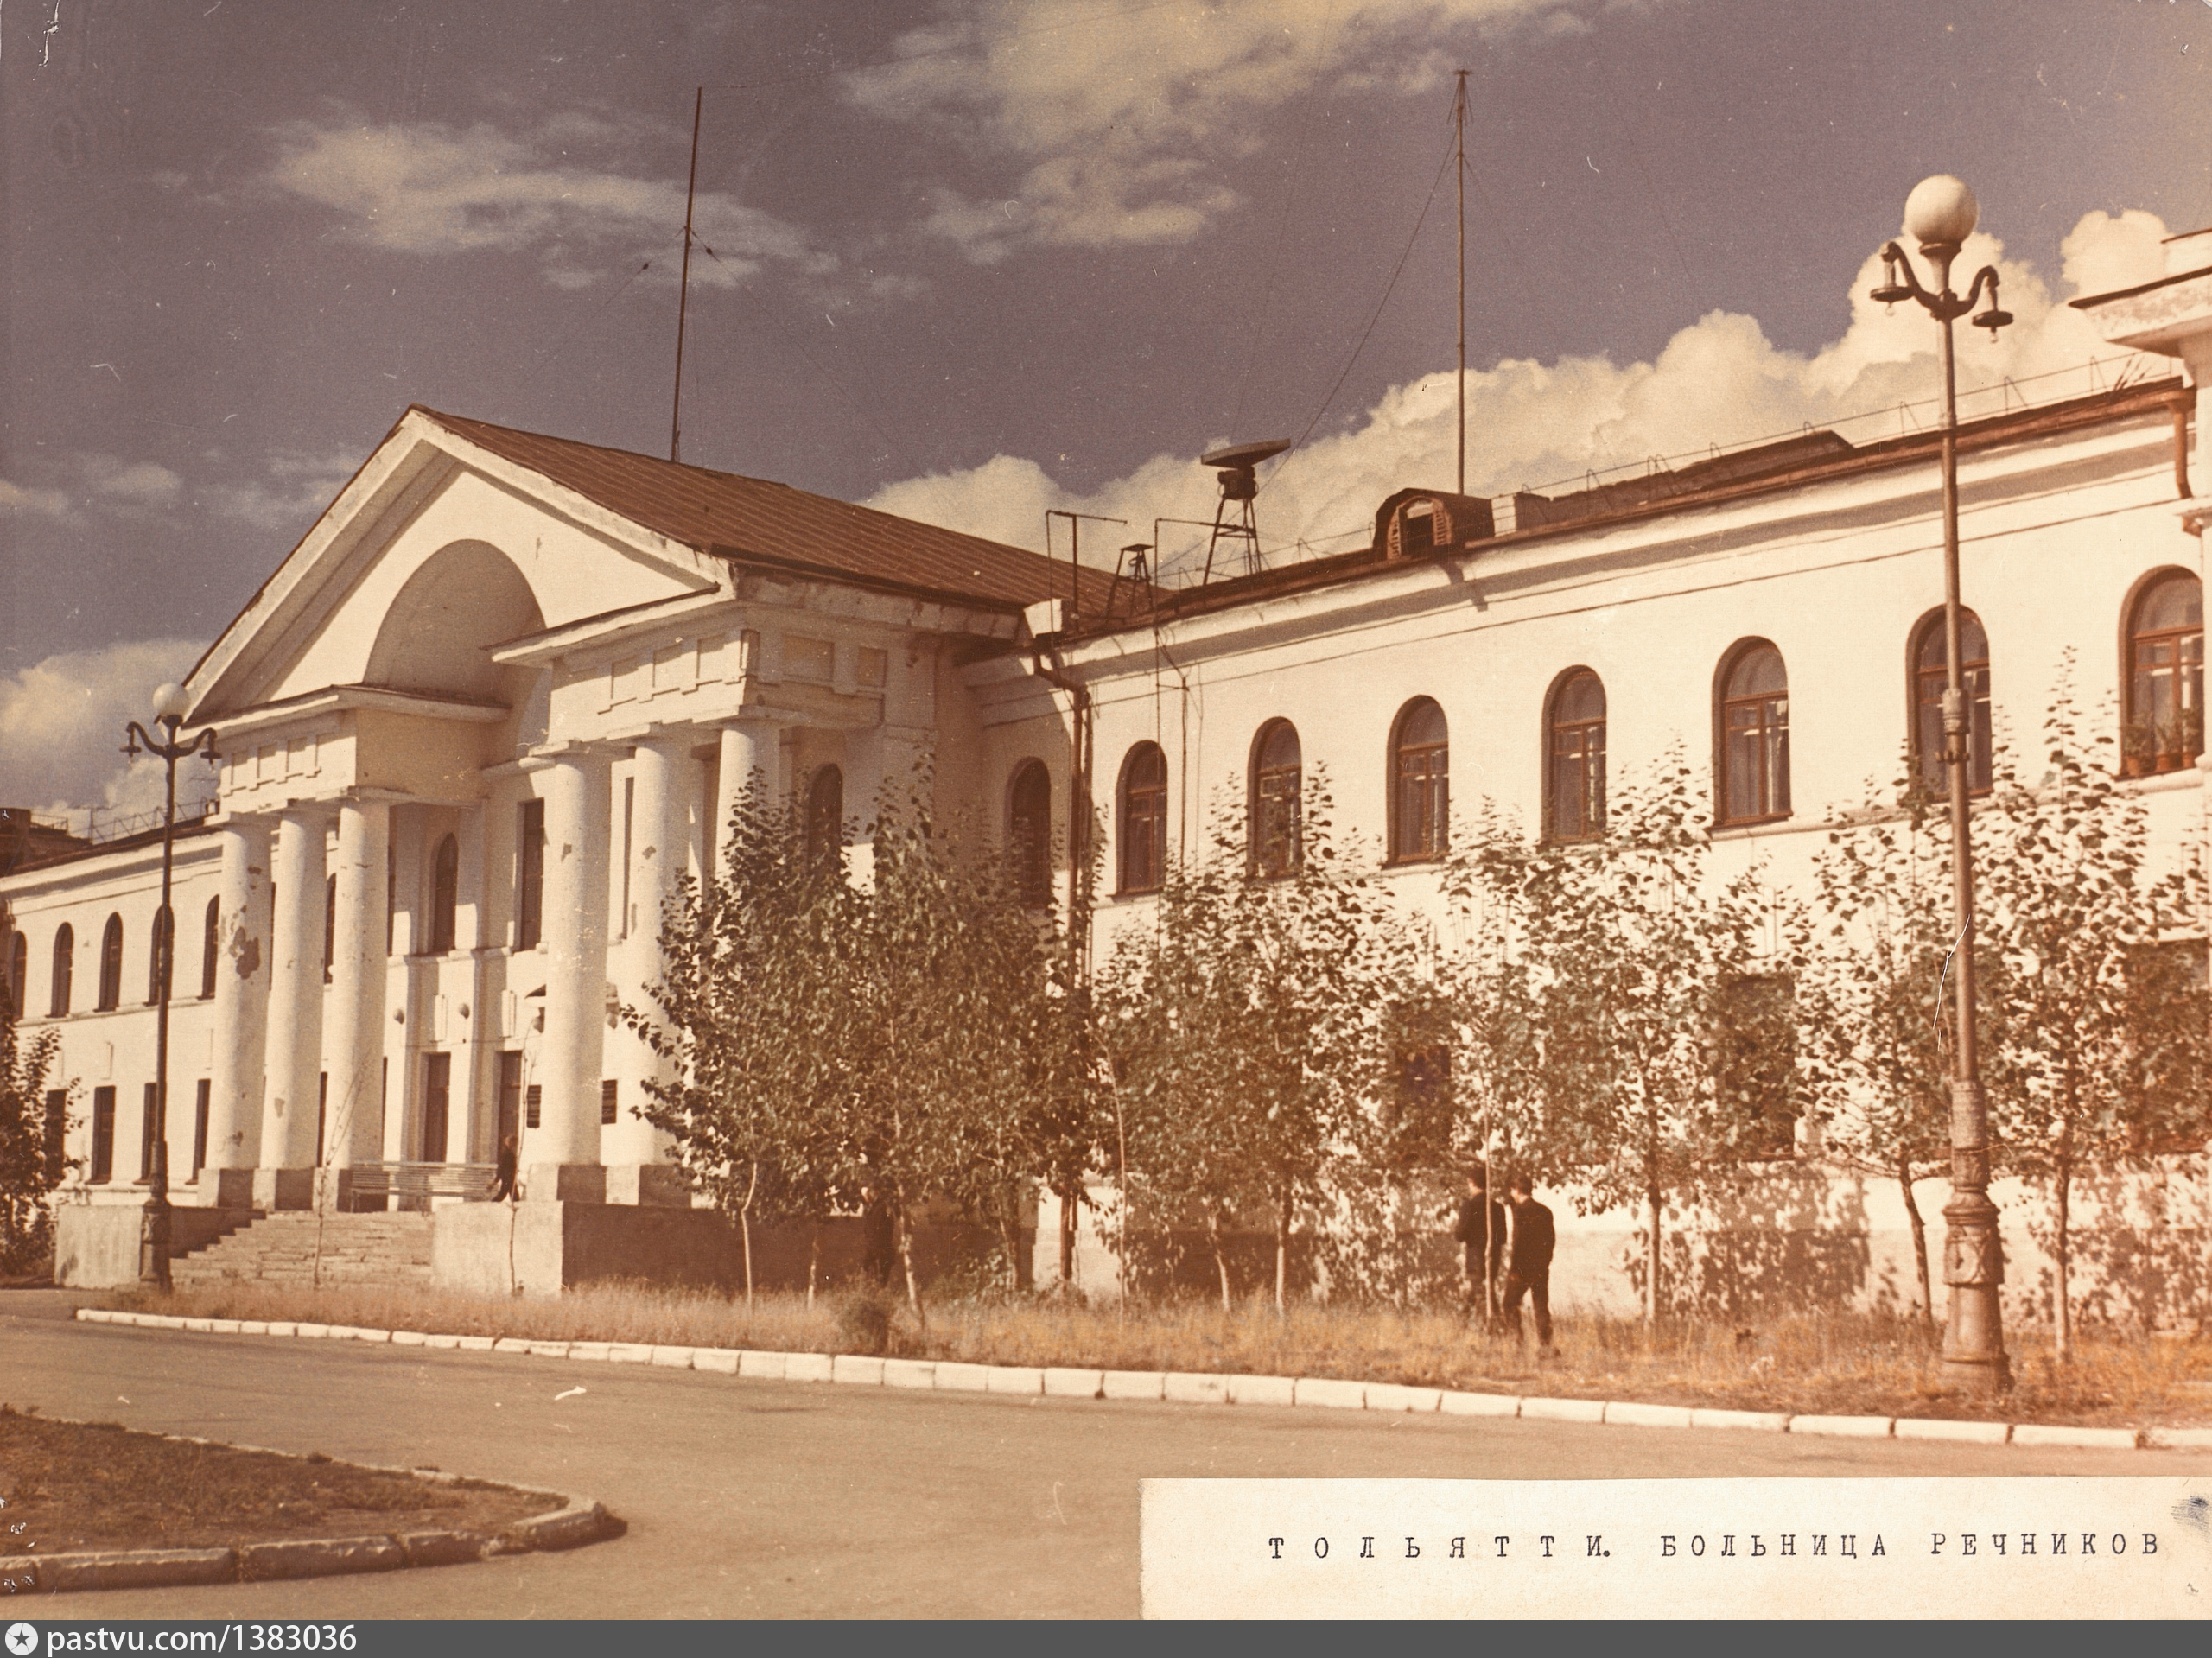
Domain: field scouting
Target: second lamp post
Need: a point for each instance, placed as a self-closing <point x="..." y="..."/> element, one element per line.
<point x="1940" y="213"/>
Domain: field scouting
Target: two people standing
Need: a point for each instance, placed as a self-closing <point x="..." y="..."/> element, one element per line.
<point x="1520" y="1239"/>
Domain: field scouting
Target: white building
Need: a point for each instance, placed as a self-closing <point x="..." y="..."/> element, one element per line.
<point x="486" y="713"/>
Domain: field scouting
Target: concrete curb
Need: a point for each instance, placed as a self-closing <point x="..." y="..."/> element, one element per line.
<point x="579" y="1520"/>
<point x="1183" y="1387"/>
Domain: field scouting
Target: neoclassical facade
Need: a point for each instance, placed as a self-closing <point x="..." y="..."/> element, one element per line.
<point x="485" y="715"/>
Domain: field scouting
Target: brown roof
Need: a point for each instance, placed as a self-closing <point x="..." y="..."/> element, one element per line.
<point x="757" y="522"/>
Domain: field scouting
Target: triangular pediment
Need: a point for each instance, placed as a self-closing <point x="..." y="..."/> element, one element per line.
<point x="438" y="549"/>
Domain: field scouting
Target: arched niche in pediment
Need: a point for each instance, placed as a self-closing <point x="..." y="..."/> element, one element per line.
<point x="464" y="598"/>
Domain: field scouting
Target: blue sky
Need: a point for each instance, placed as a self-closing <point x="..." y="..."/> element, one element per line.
<point x="972" y="260"/>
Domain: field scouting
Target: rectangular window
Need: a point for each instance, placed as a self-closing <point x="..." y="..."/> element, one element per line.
<point x="437" y="1086"/>
<point x="57" y="1134"/>
<point x="1757" y="1063"/>
<point x="102" y="1136"/>
<point x="530" y="875"/>
<point x="201" y="1095"/>
<point x="148" y="1115"/>
<point x="607" y="1103"/>
<point x="321" y="1113"/>
<point x="509" y="1097"/>
<point x="532" y="1099"/>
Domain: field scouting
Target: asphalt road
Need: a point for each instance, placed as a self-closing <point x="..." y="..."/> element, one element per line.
<point x="752" y="1499"/>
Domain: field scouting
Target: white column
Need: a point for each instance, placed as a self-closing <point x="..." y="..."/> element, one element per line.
<point x="638" y="1169"/>
<point x="242" y="946"/>
<point x="562" y="1154"/>
<point x="285" y="1176"/>
<point x="751" y="751"/>
<point x="355" y="1057"/>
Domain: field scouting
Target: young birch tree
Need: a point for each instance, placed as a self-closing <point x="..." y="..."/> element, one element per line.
<point x="1244" y="1029"/>
<point x="2102" y="1038"/>
<point x="28" y="1170"/>
<point x="1637" y="948"/>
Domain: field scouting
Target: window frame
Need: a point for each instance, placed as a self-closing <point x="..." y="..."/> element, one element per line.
<point x="445" y="896"/>
<point x="161" y="963"/>
<point x="1029" y="858"/>
<point x="822" y="829"/>
<point x="1937" y="784"/>
<point x="110" y="986"/>
<point x="210" y="948"/>
<point x="1723" y="704"/>
<point x="2131" y="637"/>
<point x="62" y="974"/>
<point x="1564" y="681"/>
<point x="1131" y="882"/>
<point x="1437" y="783"/>
<point x="1257" y="837"/>
<point x="19" y="971"/>
<point x="529" y="873"/>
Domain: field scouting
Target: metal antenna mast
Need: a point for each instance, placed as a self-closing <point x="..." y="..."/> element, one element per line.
<point x="1459" y="119"/>
<point x="683" y="289"/>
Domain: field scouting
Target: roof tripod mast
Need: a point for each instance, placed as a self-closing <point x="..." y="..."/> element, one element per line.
<point x="1459" y="120"/>
<point x="683" y="288"/>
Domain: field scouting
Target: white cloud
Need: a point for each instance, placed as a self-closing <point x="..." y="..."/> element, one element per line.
<point x="61" y="726"/>
<point x="1119" y="116"/>
<point x="16" y="498"/>
<point x="1719" y="381"/>
<point x="428" y="188"/>
<point x="296" y="490"/>
<point x="141" y="483"/>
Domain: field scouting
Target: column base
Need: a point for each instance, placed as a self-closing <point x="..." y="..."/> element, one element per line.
<point x="275" y="1188"/>
<point x="233" y="1187"/>
<point x="654" y="1185"/>
<point x="564" y="1182"/>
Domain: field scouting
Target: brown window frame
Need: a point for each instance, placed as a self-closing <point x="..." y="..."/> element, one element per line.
<point x="1924" y="737"/>
<point x="445" y="896"/>
<point x="1029" y="834"/>
<point x="1277" y="803"/>
<point x="1725" y="707"/>
<point x="1588" y="759"/>
<point x="63" y="971"/>
<point x="110" y="996"/>
<point x="1420" y="788"/>
<point x="2142" y="757"/>
<point x="1140" y="845"/>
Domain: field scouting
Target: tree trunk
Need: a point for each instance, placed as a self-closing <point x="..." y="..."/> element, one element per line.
<point x="813" y="1261"/>
<point x="2063" y="1257"/>
<point x="906" y="1260"/>
<point x="1651" y="1264"/>
<point x="1282" y="1256"/>
<point x="1070" y="1214"/>
<point x="1220" y="1260"/>
<point x="1919" y="1241"/>
<point x="745" y="1231"/>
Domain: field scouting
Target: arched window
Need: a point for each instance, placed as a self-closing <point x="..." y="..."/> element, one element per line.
<point x="1420" y="783"/>
<point x="161" y="967"/>
<point x="1754" y="735"/>
<point x="1276" y="766"/>
<point x="1931" y="674"/>
<point x="825" y="820"/>
<point x="1029" y="834"/>
<point x="1575" y="764"/>
<point x="211" y="947"/>
<point x="1143" y="837"/>
<point x="65" y="958"/>
<point x="111" y="964"/>
<point x="2166" y="677"/>
<point x="445" y="894"/>
<point x="19" y="967"/>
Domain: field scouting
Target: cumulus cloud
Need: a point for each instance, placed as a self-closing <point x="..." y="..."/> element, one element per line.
<point x="292" y="496"/>
<point x="1718" y="382"/>
<point x="1118" y="119"/>
<point x="428" y="188"/>
<point x="61" y="726"/>
<point x="130" y="483"/>
<point x="17" y="498"/>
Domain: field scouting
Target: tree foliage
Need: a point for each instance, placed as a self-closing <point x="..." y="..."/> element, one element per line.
<point x="29" y="1172"/>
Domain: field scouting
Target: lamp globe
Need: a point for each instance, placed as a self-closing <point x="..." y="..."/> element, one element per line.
<point x="1941" y="211"/>
<point x="170" y="703"/>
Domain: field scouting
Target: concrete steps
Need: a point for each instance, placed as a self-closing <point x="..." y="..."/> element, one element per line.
<point x="384" y="1251"/>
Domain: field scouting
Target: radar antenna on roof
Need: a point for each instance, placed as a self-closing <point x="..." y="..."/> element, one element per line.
<point x="1233" y="518"/>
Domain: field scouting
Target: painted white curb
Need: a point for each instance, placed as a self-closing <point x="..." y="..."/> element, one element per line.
<point x="1182" y="1387"/>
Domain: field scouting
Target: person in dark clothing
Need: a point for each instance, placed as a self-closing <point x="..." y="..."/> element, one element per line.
<point x="879" y="1238"/>
<point x="1481" y="1231"/>
<point x="503" y="1181"/>
<point x="1529" y="1271"/>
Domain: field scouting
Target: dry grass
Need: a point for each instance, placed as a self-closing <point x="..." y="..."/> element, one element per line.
<point x="70" y="1485"/>
<point x="1843" y="1364"/>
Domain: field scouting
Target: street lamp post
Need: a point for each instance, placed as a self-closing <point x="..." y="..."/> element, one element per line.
<point x="1940" y="213"/>
<point x="170" y="705"/>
